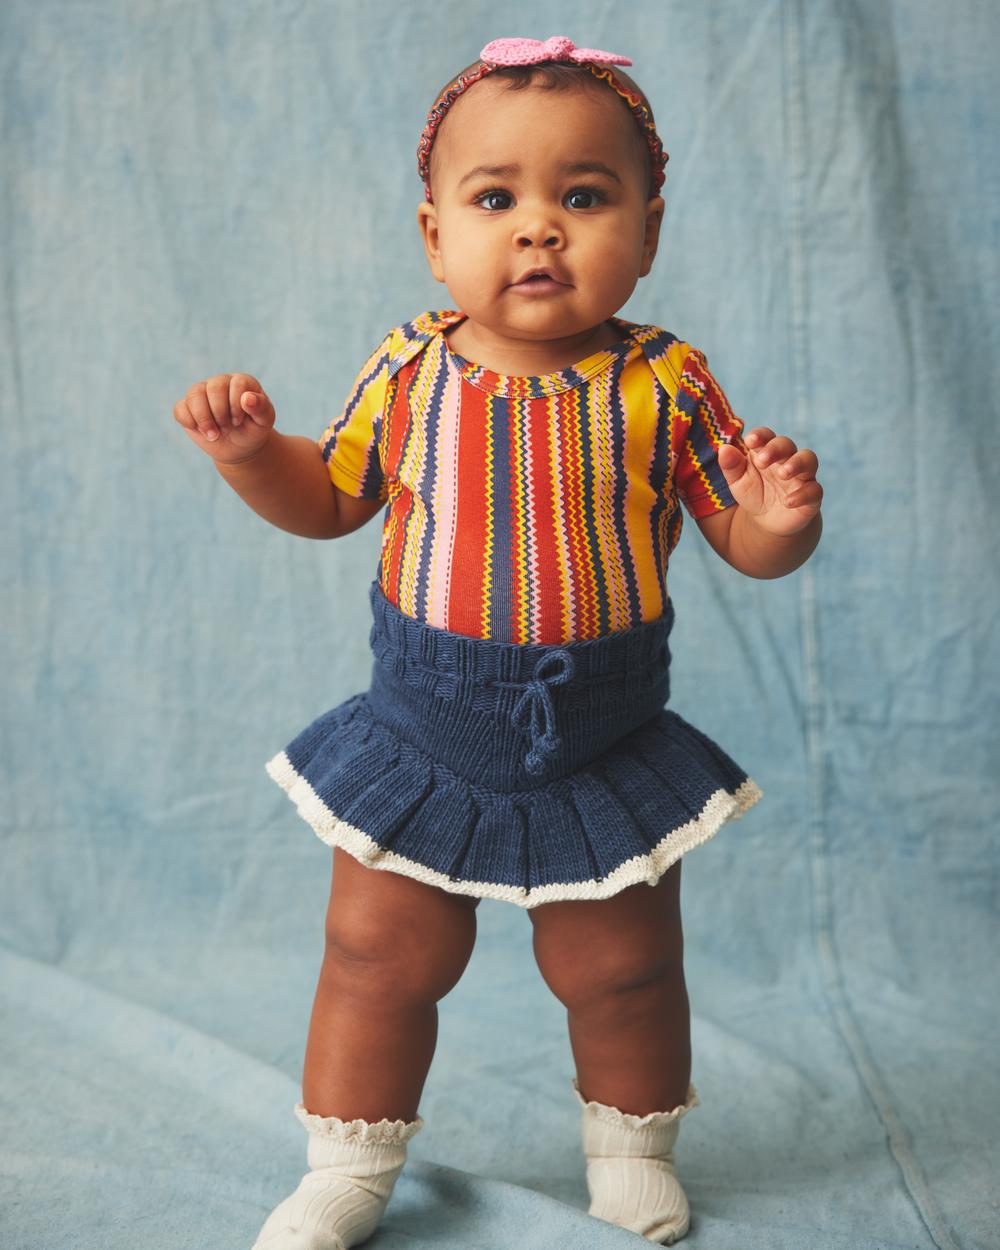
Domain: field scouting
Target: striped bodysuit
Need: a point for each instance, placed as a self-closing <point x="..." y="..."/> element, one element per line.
<point x="536" y="509"/>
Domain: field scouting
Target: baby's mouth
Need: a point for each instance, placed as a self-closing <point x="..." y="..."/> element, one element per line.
<point x="539" y="283"/>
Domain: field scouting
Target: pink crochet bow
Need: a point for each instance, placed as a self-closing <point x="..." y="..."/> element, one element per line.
<point x="555" y="48"/>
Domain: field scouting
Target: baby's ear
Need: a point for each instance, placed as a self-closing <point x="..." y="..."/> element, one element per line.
<point x="428" y="223"/>
<point x="651" y="239"/>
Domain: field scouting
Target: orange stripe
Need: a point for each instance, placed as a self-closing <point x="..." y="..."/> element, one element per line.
<point x="468" y="608"/>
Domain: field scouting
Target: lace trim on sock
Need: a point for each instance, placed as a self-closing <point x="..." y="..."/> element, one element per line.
<point x="358" y="1130"/>
<point x="612" y="1115"/>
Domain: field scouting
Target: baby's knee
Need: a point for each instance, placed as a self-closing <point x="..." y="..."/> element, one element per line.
<point x="582" y="986"/>
<point x="583" y="972"/>
<point x="419" y="958"/>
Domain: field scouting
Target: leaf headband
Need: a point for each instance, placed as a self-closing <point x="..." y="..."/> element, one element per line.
<point x="502" y="52"/>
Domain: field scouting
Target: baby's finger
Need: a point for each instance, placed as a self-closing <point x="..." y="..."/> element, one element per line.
<point x="758" y="436"/>
<point x="183" y="417"/>
<point x="808" y="493"/>
<point x="254" y="401"/>
<point x="238" y="383"/>
<point x="777" y="449"/>
<point x="260" y="408"/>
<point x="217" y="390"/>
<point x="198" y="406"/>
<point x="803" y="464"/>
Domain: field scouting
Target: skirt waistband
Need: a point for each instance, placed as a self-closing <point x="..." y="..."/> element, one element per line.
<point x="616" y="680"/>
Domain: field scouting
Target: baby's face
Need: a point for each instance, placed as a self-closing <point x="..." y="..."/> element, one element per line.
<point x="536" y="206"/>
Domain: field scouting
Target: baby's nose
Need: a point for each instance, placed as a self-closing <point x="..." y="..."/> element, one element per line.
<point x="538" y="233"/>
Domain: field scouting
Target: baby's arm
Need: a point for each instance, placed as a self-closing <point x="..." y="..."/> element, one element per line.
<point x="287" y="483"/>
<point x="282" y="477"/>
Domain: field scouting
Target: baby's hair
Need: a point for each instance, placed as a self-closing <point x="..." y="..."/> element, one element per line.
<point x="563" y="76"/>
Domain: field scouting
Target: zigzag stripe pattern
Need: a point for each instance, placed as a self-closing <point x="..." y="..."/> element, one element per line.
<point x="611" y="552"/>
<point x="490" y="534"/>
<point x="528" y="574"/>
<point x="563" y="489"/>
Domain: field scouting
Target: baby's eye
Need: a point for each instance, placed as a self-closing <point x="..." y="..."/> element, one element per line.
<point x="596" y="196"/>
<point x="491" y="195"/>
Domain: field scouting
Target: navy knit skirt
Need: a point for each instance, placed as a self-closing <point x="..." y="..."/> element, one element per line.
<point x="522" y="772"/>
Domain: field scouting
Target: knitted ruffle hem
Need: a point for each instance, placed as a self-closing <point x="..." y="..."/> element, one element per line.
<point x="522" y="772"/>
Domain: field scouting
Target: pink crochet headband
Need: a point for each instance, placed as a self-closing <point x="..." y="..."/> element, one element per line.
<point x="501" y="52"/>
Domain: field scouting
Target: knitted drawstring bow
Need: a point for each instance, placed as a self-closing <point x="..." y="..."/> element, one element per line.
<point x="534" y="710"/>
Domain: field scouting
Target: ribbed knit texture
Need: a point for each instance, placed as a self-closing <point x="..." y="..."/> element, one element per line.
<point x="630" y="1168"/>
<point x="540" y="508"/>
<point x="429" y="772"/>
<point x="339" y="1202"/>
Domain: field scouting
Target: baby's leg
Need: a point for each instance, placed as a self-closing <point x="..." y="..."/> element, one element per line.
<point x="617" y="965"/>
<point x="394" y="947"/>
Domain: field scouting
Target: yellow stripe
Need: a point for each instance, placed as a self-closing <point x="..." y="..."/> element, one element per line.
<point x="641" y="417"/>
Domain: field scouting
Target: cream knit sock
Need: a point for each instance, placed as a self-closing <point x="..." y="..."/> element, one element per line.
<point x="630" y="1168"/>
<point x="340" y="1201"/>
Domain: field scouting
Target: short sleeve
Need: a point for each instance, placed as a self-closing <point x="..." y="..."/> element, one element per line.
<point x="700" y="483"/>
<point x="350" y="443"/>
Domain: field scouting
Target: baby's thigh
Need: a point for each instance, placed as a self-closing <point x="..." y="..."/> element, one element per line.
<point x="382" y="925"/>
<point x="587" y="948"/>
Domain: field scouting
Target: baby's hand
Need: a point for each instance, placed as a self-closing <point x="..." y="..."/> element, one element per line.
<point x="229" y="417"/>
<point x="775" y="483"/>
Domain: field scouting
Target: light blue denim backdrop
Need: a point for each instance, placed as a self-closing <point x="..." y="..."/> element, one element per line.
<point x="193" y="188"/>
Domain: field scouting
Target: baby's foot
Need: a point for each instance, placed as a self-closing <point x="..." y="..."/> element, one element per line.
<point x="326" y="1212"/>
<point x="642" y="1195"/>
<point x="630" y="1168"/>
<point x="338" y="1204"/>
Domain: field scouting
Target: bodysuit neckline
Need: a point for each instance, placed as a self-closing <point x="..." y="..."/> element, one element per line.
<point x="534" y="386"/>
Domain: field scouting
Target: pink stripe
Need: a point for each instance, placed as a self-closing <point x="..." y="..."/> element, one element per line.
<point x="445" y="501"/>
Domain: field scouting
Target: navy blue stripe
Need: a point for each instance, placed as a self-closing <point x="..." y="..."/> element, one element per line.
<point x="500" y="582"/>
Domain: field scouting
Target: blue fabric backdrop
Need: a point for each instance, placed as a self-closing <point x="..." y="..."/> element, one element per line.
<point x="193" y="188"/>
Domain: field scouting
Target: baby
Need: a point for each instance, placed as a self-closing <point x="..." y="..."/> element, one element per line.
<point x="530" y="449"/>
